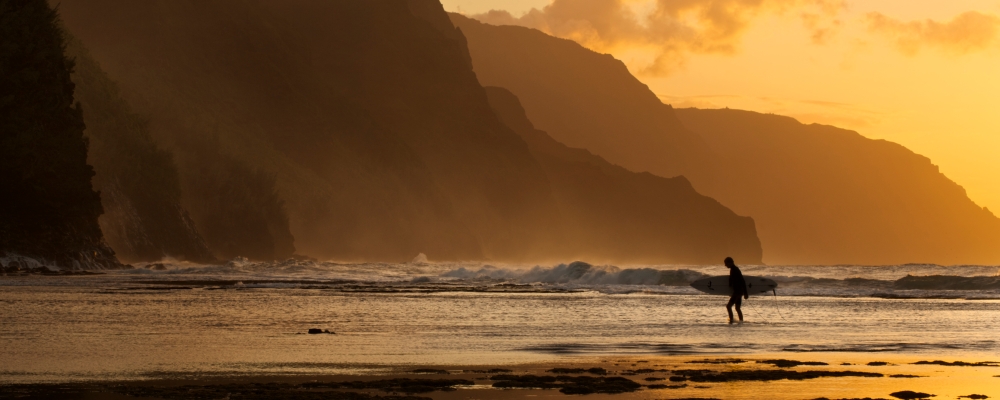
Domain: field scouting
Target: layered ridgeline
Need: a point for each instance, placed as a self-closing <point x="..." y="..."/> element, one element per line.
<point x="818" y="194"/>
<point x="611" y="213"/>
<point x="369" y="121"/>
<point x="48" y="210"/>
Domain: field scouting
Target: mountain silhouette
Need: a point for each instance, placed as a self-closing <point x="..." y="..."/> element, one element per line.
<point x="829" y="195"/>
<point x="367" y="118"/>
<point x="49" y="210"/>
<point x="818" y="194"/>
<point x="613" y="214"/>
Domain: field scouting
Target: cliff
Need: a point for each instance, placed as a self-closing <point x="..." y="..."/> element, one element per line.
<point x="826" y="195"/>
<point x="139" y="183"/>
<point x="49" y="210"/>
<point x="367" y="120"/>
<point x="818" y="194"/>
<point x="612" y="214"/>
<point x="584" y="99"/>
<point x="367" y="114"/>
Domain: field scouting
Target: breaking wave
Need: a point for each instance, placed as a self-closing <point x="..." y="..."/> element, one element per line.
<point x="581" y="273"/>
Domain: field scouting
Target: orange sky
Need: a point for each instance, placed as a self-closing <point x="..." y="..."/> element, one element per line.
<point x="922" y="73"/>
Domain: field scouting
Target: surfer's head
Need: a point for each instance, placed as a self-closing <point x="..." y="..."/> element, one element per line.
<point x="729" y="262"/>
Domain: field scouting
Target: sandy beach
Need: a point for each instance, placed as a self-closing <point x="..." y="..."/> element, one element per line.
<point x="830" y="376"/>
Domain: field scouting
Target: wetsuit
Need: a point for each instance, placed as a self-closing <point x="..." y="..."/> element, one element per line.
<point x="739" y="286"/>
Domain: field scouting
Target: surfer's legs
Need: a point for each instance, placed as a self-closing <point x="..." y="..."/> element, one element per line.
<point x="736" y="300"/>
<point x="739" y="310"/>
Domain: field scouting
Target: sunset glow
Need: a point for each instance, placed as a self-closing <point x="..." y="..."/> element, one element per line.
<point x="921" y="74"/>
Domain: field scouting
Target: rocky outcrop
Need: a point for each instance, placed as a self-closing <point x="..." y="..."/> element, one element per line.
<point x="48" y="210"/>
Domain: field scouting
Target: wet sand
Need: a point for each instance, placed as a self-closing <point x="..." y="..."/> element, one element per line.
<point x="776" y="376"/>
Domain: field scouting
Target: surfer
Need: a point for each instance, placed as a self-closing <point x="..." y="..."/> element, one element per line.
<point x="739" y="286"/>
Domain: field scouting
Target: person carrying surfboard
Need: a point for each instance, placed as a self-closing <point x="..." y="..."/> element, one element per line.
<point x="739" y="286"/>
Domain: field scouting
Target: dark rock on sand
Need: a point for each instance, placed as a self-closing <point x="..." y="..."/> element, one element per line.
<point x="877" y="363"/>
<point x="909" y="394"/>
<point x="790" y="363"/>
<point x="767" y="375"/>
<point x="317" y="331"/>
<point x="678" y="379"/>
<point x="854" y="398"/>
<point x="567" y="384"/>
<point x="974" y="396"/>
<point x="430" y="371"/>
<point x="959" y="363"/>
<point x="654" y="379"/>
<point x="642" y="371"/>
<point x="662" y="386"/>
<point x="595" y="371"/>
<point x="905" y="376"/>
<point x="718" y="361"/>
<point x="488" y="371"/>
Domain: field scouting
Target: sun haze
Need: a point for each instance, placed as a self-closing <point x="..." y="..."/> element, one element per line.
<point x="921" y="74"/>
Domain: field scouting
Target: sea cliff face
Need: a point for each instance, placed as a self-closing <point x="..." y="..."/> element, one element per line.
<point x="140" y="189"/>
<point x="48" y="209"/>
<point x="364" y="122"/>
<point x="818" y="194"/>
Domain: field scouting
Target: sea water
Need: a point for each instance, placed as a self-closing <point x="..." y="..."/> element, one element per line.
<point x="180" y="319"/>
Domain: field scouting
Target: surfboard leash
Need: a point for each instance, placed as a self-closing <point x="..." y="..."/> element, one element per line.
<point x="757" y="312"/>
<point x="775" y="292"/>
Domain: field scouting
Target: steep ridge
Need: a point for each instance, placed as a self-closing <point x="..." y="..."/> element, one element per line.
<point x="49" y="210"/>
<point x="818" y="194"/>
<point x="139" y="185"/>
<point x="380" y="139"/>
<point x="615" y="215"/>
<point x="828" y="195"/>
<point x="584" y="99"/>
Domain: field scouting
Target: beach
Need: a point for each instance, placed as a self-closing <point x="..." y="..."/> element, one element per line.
<point x="674" y="377"/>
<point x="237" y="329"/>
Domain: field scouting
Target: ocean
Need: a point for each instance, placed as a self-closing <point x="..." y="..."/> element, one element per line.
<point x="250" y="318"/>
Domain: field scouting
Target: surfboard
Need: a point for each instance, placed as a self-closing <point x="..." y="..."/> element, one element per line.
<point x="720" y="285"/>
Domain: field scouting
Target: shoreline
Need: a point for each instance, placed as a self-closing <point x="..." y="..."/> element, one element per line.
<point x="779" y="376"/>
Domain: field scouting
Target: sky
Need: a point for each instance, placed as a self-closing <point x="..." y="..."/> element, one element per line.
<point x="924" y="74"/>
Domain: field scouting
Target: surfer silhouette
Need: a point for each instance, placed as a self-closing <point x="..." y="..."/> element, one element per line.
<point x="739" y="286"/>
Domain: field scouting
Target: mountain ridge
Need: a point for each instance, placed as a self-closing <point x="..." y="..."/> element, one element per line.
<point x="810" y="203"/>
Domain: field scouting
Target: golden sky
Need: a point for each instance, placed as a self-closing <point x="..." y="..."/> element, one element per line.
<point x="922" y="73"/>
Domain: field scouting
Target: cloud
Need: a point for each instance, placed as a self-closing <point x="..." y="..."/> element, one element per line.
<point x="669" y="30"/>
<point x="969" y="32"/>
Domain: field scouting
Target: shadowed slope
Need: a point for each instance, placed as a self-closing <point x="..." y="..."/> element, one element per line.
<point x="818" y="194"/>
<point x="367" y="112"/>
<point x="140" y="188"/>
<point x="613" y="214"/>
<point x="595" y="104"/>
